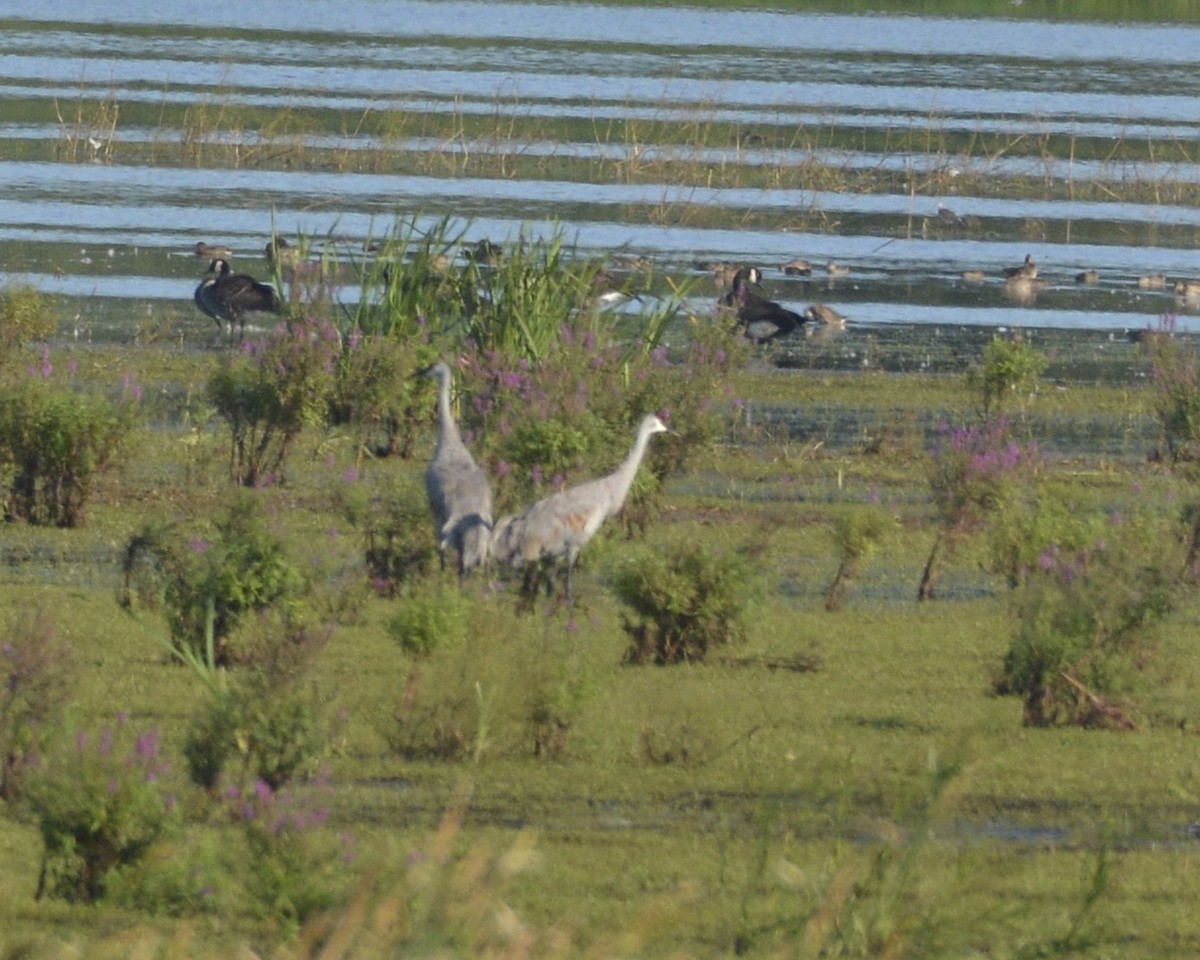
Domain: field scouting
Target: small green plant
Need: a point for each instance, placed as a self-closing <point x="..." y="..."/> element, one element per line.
<point x="268" y="720"/>
<point x="397" y="530"/>
<point x="54" y="443"/>
<point x="33" y="691"/>
<point x="99" y="799"/>
<point x="270" y="392"/>
<point x="857" y="535"/>
<point x="209" y="584"/>
<point x="430" y="614"/>
<point x="1010" y="368"/>
<point x="26" y="315"/>
<point x="1082" y="624"/>
<point x="976" y="473"/>
<point x="378" y="391"/>
<point x="1176" y="377"/>
<point x="685" y="606"/>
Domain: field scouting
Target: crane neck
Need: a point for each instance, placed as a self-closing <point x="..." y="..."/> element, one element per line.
<point x="447" y="428"/>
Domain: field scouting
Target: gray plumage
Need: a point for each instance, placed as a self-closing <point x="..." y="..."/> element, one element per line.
<point x="458" y="488"/>
<point x="562" y="524"/>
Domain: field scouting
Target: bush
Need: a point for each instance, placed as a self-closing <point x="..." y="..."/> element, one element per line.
<point x="856" y="534"/>
<point x="208" y="585"/>
<point x="397" y="529"/>
<point x="25" y="314"/>
<point x="1010" y="367"/>
<point x="976" y="474"/>
<point x="1176" y="378"/>
<point x="1082" y="619"/>
<point x="685" y="606"/>
<point x="53" y="445"/>
<point x="428" y="616"/>
<point x="99" y="801"/>
<point x="377" y="389"/>
<point x="270" y="392"/>
<point x="33" y="691"/>
<point x="266" y="723"/>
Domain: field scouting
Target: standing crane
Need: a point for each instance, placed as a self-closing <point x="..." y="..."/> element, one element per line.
<point x="562" y="524"/>
<point x="458" y="488"/>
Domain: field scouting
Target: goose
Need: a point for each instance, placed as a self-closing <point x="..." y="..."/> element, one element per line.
<point x="227" y="297"/>
<point x="762" y="319"/>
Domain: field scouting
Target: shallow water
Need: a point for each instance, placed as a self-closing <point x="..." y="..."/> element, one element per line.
<point x="944" y="109"/>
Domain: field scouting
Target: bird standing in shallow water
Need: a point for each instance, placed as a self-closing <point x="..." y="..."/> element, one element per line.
<point x="562" y="524"/>
<point x="826" y="316"/>
<point x="458" y="488"/>
<point x="227" y="297"/>
<point x="762" y="319"/>
<point x="1026" y="271"/>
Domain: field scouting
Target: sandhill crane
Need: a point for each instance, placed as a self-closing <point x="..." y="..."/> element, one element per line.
<point x="762" y="319"/>
<point x="562" y="524"/>
<point x="228" y="297"/>
<point x="458" y="488"/>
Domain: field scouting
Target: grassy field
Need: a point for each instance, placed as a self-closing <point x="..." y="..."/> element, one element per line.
<point x="841" y="784"/>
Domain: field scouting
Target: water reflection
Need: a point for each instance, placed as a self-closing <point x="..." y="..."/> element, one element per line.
<point x="937" y="109"/>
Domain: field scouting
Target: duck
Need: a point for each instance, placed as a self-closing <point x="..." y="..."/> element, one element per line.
<point x="210" y="252"/>
<point x="798" y="267"/>
<point x="1023" y="289"/>
<point x="723" y="272"/>
<point x="825" y="316"/>
<point x="1151" y="281"/>
<point x="1087" y="276"/>
<point x="949" y="217"/>
<point x="227" y="297"/>
<point x="1026" y="271"/>
<point x="1188" y="288"/>
<point x="484" y="253"/>
<point x="762" y="319"/>
<point x="278" y="250"/>
<point x="837" y="269"/>
<point x="972" y="276"/>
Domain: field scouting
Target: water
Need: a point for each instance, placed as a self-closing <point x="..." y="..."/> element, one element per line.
<point x="129" y="131"/>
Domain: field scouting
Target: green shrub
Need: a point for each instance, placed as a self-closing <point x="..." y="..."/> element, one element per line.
<point x="1009" y="368"/>
<point x="429" y="615"/>
<point x="33" y="691"/>
<point x="270" y="392"/>
<point x="1176" y="379"/>
<point x="207" y="585"/>
<point x="397" y="530"/>
<point x="377" y="389"/>
<point x="25" y="314"/>
<point x="856" y="535"/>
<point x="267" y="723"/>
<point x="99" y="801"/>
<point x="684" y="606"/>
<point x="1082" y="625"/>
<point x="53" y="444"/>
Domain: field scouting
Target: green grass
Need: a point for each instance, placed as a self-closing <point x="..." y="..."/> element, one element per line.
<point x="702" y="810"/>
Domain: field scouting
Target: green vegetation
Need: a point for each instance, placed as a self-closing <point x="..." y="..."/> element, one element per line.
<point x="807" y="781"/>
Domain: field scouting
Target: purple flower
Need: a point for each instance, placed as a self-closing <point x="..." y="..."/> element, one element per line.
<point x="147" y="745"/>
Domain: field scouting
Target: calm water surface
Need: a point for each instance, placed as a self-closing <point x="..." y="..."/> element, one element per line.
<point x="942" y="109"/>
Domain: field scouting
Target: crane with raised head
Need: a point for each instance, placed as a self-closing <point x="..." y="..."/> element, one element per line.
<point x="562" y="524"/>
<point x="458" y="489"/>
